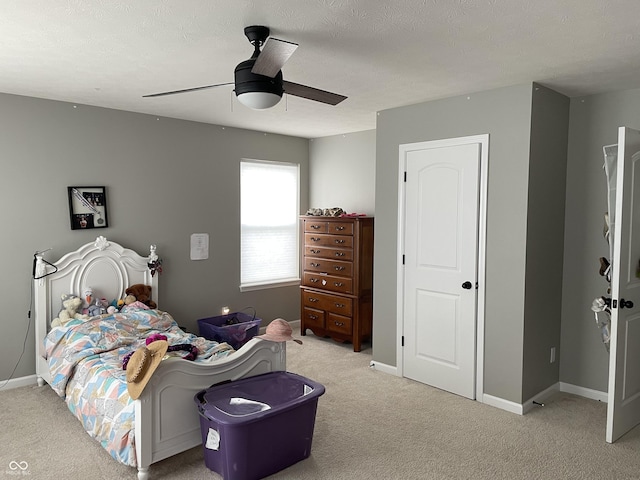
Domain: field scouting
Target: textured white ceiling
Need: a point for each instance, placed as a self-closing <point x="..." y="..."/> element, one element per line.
<point x="381" y="54"/>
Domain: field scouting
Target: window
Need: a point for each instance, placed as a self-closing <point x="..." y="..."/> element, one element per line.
<point x="269" y="224"/>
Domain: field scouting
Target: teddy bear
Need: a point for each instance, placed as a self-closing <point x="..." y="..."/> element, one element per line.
<point x="71" y="306"/>
<point x="130" y="303"/>
<point x="142" y="293"/>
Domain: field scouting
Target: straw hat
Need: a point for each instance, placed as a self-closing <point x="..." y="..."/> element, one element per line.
<point x="142" y="364"/>
<point x="279" y="330"/>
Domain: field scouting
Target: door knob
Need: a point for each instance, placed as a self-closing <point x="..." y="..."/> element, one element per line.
<point x="626" y="303"/>
<point x="467" y="285"/>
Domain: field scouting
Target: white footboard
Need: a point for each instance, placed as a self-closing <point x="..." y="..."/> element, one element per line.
<point x="167" y="420"/>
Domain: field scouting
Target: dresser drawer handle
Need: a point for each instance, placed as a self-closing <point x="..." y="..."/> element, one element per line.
<point x="314" y="280"/>
<point x="340" y="305"/>
<point x="339" y="324"/>
<point x="315" y="251"/>
<point x="339" y="240"/>
<point x="315" y="239"/>
<point x="315" y="227"/>
<point x="338" y="284"/>
<point x="315" y="264"/>
<point x="339" y="269"/>
<point x="339" y="254"/>
<point x="339" y="228"/>
<point x="313" y="317"/>
<point x="311" y="299"/>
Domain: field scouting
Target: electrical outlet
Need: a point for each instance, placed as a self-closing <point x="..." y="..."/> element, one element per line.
<point x="553" y="355"/>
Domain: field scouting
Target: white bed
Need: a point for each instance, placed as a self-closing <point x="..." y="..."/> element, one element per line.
<point x="166" y="418"/>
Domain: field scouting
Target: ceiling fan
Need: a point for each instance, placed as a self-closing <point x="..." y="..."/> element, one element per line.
<point x="258" y="81"/>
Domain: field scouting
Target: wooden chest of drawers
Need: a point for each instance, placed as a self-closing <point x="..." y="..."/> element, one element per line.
<point x="337" y="278"/>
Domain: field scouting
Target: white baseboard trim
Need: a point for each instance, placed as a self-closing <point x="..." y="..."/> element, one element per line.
<point x="584" y="392"/>
<point x="295" y="323"/>
<point x="18" y="382"/>
<point x="540" y="398"/>
<point x="383" y="367"/>
<point x="295" y="326"/>
<point x="502" y="404"/>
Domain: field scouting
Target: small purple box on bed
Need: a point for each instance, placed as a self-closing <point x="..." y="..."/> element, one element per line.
<point x="234" y="328"/>
<point x="257" y="426"/>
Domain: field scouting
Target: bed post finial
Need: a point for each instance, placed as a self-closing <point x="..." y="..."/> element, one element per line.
<point x="154" y="262"/>
<point x="39" y="269"/>
<point x="153" y="256"/>
<point x="101" y="243"/>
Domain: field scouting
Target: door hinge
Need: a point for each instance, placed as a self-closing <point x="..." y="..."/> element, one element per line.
<point x="403" y="259"/>
<point x="405" y="177"/>
<point x="614" y="303"/>
<point x="402" y="343"/>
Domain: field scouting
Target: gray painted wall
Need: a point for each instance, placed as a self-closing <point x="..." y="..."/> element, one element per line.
<point x="175" y="176"/>
<point x="545" y="235"/>
<point x="590" y="123"/>
<point x="165" y="179"/>
<point x="342" y="172"/>
<point x="594" y="123"/>
<point x="505" y="114"/>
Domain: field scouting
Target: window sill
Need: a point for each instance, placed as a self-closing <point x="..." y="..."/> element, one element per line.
<point x="264" y="286"/>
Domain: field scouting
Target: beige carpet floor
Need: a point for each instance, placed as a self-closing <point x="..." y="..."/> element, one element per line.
<point x="369" y="425"/>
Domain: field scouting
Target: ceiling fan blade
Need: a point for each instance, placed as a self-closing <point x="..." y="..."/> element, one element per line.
<point x="311" y="93"/>
<point x="273" y="56"/>
<point x="186" y="90"/>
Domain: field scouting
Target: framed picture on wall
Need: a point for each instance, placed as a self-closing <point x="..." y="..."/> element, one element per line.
<point x="88" y="207"/>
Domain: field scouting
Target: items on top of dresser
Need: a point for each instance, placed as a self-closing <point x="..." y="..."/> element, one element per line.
<point x="326" y="212"/>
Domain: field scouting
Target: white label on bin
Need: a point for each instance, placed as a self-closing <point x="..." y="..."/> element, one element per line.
<point x="213" y="440"/>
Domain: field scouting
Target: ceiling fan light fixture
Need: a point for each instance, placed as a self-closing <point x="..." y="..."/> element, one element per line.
<point x="258" y="81"/>
<point x="257" y="91"/>
<point x="259" y="100"/>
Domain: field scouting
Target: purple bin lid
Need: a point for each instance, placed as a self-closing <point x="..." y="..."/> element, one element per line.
<point x="251" y="398"/>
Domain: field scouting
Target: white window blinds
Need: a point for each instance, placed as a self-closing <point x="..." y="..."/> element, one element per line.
<point x="269" y="223"/>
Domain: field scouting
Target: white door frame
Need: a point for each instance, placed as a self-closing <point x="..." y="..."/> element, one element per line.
<point x="483" y="140"/>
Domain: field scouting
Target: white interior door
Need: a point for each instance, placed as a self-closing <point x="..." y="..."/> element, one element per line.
<point x="623" y="408"/>
<point x="440" y="265"/>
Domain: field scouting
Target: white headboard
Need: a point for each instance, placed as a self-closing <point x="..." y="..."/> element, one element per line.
<point x="105" y="266"/>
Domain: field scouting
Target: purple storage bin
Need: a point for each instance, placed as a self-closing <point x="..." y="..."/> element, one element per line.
<point x="257" y="426"/>
<point x="236" y="334"/>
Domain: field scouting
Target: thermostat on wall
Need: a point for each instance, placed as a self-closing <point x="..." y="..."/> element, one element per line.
<point x="199" y="246"/>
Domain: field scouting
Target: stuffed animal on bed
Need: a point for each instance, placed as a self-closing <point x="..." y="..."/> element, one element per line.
<point x="130" y="303"/>
<point x="115" y="305"/>
<point x="142" y="293"/>
<point x="96" y="308"/>
<point x="71" y="306"/>
<point x="88" y="297"/>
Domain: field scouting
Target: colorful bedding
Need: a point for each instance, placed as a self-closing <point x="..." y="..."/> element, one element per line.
<point x="85" y="360"/>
